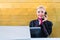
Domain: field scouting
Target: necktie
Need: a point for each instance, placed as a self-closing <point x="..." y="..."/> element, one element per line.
<point x="40" y="19"/>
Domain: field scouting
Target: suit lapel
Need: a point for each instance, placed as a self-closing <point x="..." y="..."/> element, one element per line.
<point x="37" y="22"/>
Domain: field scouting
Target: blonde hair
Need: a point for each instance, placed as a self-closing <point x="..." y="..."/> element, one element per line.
<point x="41" y="7"/>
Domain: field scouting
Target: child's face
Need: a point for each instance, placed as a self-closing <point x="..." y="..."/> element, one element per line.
<point x="40" y="12"/>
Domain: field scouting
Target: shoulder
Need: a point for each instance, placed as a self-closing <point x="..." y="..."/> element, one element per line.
<point x="32" y="21"/>
<point x="49" y="22"/>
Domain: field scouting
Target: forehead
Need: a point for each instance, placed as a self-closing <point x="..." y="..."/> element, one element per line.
<point x="41" y="9"/>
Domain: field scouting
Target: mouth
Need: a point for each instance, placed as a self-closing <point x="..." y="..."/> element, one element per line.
<point x="40" y="15"/>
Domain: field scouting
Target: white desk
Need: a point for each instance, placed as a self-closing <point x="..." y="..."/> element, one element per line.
<point x="14" y="32"/>
<point x="45" y="38"/>
<point x="18" y="33"/>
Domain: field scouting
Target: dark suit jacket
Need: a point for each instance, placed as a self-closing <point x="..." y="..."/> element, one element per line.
<point x="47" y="24"/>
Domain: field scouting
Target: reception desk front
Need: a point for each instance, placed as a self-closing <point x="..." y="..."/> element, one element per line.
<point x="14" y="33"/>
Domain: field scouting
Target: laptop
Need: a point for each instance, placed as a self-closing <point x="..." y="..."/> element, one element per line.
<point x="35" y="32"/>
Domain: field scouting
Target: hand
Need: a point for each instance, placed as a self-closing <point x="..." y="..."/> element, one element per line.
<point x="45" y="18"/>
